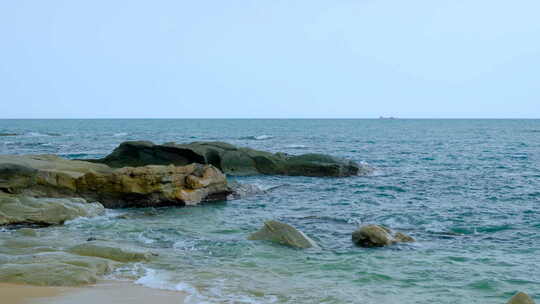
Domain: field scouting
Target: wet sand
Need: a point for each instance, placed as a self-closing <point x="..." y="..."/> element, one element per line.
<point x="106" y="292"/>
<point x="22" y="294"/>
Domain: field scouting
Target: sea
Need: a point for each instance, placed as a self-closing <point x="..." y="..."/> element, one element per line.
<point x="467" y="190"/>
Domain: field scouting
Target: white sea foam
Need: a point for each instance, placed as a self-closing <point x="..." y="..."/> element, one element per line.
<point x="108" y="215"/>
<point x="38" y="134"/>
<point x="160" y="280"/>
<point x="120" y="134"/>
<point x="293" y="146"/>
<point x="146" y="240"/>
<point x="258" y="137"/>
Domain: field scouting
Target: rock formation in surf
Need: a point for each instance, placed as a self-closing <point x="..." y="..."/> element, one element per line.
<point x="230" y="159"/>
<point x="25" y="178"/>
<point x="378" y="236"/>
<point x="284" y="234"/>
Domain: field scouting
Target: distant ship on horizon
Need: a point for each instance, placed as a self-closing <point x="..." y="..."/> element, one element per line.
<point x="389" y="117"/>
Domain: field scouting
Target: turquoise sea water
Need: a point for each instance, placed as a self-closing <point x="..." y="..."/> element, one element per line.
<point x="467" y="190"/>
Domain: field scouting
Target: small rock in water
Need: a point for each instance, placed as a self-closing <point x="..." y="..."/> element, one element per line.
<point x="284" y="234"/>
<point x="378" y="236"/>
<point x="521" y="298"/>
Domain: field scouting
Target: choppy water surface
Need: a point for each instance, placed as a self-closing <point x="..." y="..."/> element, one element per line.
<point x="467" y="190"/>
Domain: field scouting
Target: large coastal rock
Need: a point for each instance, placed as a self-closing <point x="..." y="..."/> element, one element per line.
<point x="44" y="211"/>
<point x="284" y="234"/>
<point x="521" y="298"/>
<point x="230" y="159"/>
<point x="378" y="236"/>
<point x="51" y="176"/>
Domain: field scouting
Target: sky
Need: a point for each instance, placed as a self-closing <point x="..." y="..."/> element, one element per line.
<point x="269" y="59"/>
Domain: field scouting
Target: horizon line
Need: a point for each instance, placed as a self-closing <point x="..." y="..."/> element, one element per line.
<point x="275" y="118"/>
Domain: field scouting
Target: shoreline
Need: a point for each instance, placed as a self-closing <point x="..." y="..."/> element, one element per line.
<point x="118" y="292"/>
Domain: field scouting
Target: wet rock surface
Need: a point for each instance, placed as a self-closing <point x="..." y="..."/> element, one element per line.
<point x="378" y="236"/>
<point x="284" y="234"/>
<point x="109" y="251"/>
<point x="44" y="211"/>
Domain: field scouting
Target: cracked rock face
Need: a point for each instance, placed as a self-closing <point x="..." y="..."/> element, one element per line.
<point x="48" y="176"/>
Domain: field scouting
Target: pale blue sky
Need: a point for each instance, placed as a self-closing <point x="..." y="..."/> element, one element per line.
<point x="273" y="58"/>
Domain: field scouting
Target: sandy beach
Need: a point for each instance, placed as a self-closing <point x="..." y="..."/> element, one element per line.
<point x="105" y="292"/>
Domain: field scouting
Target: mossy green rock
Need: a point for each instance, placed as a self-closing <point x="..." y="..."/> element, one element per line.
<point x="521" y="298"/>
<point x="53" y="274"/>
<point x="44" y="211"/>
<point x="53" y="269"/>
<point x="230" y="159"/>
<point x="284" y="234"/>
<point x="110" y="252"/>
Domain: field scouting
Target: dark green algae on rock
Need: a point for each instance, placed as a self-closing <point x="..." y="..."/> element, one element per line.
<point x="231" y="159"/>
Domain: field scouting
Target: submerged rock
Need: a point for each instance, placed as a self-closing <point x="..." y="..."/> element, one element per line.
<point x="44" y="211"/>
<point x="230" y="159"/>
<point x="110" y="252"/>
<point x="28" y="232"/>
<point x="521" y="298"/>
<point x="284" y="234"/>
<point x="51" y="176"/>
<point x="378" y="236"/>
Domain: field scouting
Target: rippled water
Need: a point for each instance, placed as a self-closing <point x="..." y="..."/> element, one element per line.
<point x="467" y="190"/>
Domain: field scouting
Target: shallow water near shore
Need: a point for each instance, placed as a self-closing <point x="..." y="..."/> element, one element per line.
<point x="467" y="190"/>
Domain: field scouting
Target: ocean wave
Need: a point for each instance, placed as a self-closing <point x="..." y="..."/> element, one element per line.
<point x="120" y="134"/>
<point x="153" y="279"/>
<point x="259" y="137"/>
<point x="109" y="215"/>
<point x="39" y="134"/>
<point x="293" y="146"/>
<point x="8" y="134"/>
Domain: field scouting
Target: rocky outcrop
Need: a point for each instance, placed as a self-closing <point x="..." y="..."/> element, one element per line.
<point x="231" y="159"/>
<point x="521" y="298"/>
<point x="378" y="236"/>
<point x="44" y="211"/>
<point x="51" y="176"/>
<point x="284" y="234"/>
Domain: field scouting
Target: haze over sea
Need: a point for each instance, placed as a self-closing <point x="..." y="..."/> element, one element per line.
<point x="467" y="190"/>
